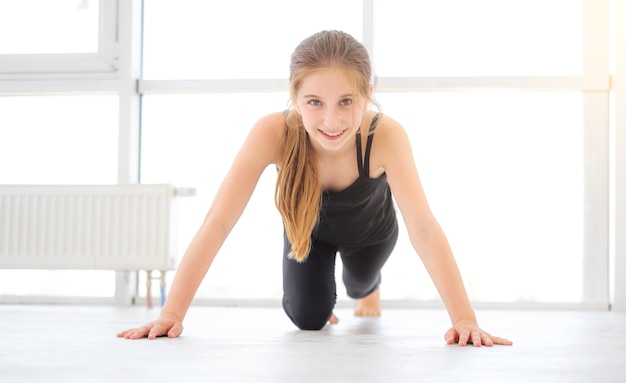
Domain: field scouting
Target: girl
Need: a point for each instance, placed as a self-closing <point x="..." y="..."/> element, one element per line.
<point x="340" y="165"/>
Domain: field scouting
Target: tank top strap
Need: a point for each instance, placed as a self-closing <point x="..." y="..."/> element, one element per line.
<point x="364" y="162"/>
<point x="368" y="147"/>
<point x="359" y="155"/>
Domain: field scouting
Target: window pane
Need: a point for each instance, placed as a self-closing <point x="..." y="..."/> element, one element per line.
<point x="235" y="39"/>
<point x="191" y="140"/>
<point x="45" y="26"/>
<point x="58" y="139"/>
<point x="504" y="176"/>
<point x="479" y="37"/>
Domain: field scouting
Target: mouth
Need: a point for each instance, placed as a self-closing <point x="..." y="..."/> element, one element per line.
<point x="332" y="135"/>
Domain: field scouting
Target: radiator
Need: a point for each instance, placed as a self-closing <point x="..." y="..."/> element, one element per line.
<point x="113" y="227"/>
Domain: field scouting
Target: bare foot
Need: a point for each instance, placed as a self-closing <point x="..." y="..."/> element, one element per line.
<point x="334" y="319"/>
<point x="369" y="306"/>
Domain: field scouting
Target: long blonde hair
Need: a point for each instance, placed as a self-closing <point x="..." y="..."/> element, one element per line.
<point x="298" y="194"/>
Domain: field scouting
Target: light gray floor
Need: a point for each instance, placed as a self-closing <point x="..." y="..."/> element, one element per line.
<point x="78" y="344"/>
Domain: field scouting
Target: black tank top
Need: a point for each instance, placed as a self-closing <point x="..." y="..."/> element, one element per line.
<point x="362" y="214"/>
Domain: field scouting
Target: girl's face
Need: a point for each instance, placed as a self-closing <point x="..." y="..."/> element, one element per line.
<point x="331" y="113"/>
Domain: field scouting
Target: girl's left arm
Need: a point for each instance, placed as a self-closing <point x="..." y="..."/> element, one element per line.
<point x="427" y="237"/>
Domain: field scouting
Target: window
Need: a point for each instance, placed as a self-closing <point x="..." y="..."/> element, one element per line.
<point x="478" y="38"/>
<point x="57" y="37"/>
<point x="503" y="172"/>
<point x="228" y="39"/>
<point x="521" y="150"/>
<point x="58" y="139"/>
<point x="506" y="105"/>
<point x="69" y="26"/>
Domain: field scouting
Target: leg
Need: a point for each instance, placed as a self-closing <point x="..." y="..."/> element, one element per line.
<point x="309" y="287"/>
<point x="362" y="274"/>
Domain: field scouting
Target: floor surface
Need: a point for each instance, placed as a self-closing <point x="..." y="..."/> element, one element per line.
<point x="228" y="344"/>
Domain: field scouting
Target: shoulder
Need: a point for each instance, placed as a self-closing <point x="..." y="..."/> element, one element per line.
<point x="273" y="125"/>
<point x="271" y="128"/>
<point x="268" y="135"/>
<point x="389" y="133"/>
<point x="387" y="127"/>
<point x="391" y="143"/>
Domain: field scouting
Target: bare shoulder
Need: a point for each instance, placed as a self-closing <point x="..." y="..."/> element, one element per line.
<point x="268" y="135"/>
<point x="390" y="145"/>
<point x="271" y="126"/>
<point x="391" y="141"/>
<point x="389" y="129"/>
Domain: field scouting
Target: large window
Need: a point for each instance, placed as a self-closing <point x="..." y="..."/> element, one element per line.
<point x="504" y="171"/>
<point x="506" y="104"/>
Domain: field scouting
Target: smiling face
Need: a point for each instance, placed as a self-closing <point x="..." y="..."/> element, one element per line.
<point x="331" y="111"/>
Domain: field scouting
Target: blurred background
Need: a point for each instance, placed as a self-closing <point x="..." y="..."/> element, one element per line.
<point x="512" y="107"/>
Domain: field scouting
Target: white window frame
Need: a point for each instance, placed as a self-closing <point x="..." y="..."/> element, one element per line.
<point x="618" y="237"/>
<point x="70" y="65"/>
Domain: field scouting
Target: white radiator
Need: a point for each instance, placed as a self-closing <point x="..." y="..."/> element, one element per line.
<point x="113" y="227"/>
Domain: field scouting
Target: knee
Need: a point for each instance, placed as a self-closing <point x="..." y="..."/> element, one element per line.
<point x="360" y="287"/>
<point x="307" y="316"/>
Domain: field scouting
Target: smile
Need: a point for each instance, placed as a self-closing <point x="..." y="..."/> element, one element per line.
<point x="332" y="134"/>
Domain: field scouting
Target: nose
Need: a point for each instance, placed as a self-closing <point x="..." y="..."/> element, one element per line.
<point x="332" y="118"/>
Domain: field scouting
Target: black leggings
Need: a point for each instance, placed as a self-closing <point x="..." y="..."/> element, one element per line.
<point x="310" y="291"/>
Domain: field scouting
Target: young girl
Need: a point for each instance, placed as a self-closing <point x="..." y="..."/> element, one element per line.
<point x="340" y="165"/>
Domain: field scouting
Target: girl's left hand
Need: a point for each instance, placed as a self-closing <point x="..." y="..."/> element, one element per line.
<point x="465" y="332"/>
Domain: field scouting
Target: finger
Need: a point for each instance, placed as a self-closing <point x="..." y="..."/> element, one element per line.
<point x="139" y="333"/>
<point x="464" y="337"/>
<point x="156" y="330"/>
<point x="486" y="339"/>
<point x="175" y="331"/>
<point x="476" y="339"/>
<point x="126" y="334"/>
<point x="122" y="334"/>
<point x="451" y="336"/>
<point x="502" y="341"/>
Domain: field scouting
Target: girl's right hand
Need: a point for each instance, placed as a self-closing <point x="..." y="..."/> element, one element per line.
<point x="168" y="324"/>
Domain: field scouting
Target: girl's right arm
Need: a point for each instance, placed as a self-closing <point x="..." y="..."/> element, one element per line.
<point x="261" y="148"/>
